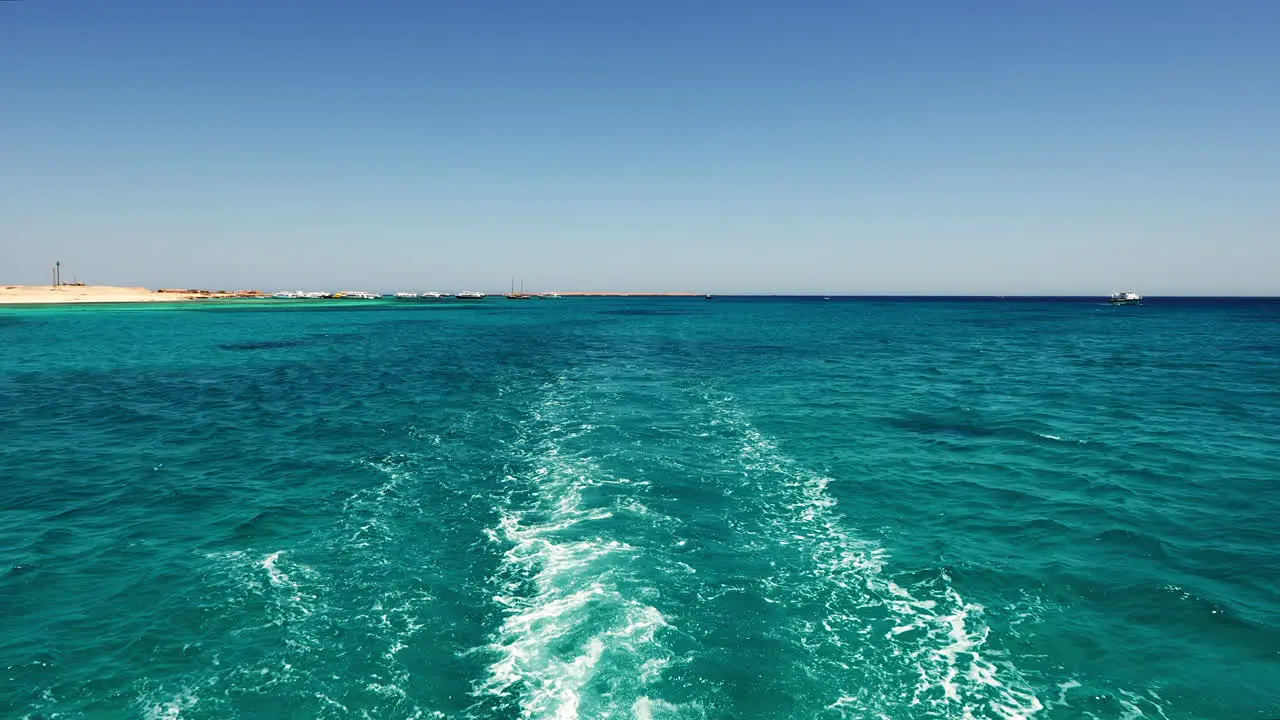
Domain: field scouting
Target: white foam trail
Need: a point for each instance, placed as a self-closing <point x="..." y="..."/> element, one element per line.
<point x="1106" y="704"/>
<point x="278" y="578"/>
<point x="574" y="642"/>
<point x="938" y="637"/>
<point x="171" y="708"/>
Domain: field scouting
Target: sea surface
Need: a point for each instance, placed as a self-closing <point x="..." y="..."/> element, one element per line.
<point x="641" y="508"/>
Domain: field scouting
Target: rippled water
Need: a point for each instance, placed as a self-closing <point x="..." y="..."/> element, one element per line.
<point x="748" y="508"/>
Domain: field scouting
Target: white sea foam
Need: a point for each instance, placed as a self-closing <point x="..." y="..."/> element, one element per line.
<point x="930" y="633"/>
<point x="1063" y="689"/>
<point x="1135" y="705"/>
<point x="279" y="632"/>
<point x="1058" y="438"/>
<point x="170" y="708"/>
<point x="278" y="578"/>
<point x="576" y="641"/>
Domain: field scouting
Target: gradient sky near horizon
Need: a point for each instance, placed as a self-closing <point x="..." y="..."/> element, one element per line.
<point x="806" y="147"/>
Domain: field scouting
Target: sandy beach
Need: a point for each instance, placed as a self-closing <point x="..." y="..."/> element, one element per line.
<point x="37" y="294"/>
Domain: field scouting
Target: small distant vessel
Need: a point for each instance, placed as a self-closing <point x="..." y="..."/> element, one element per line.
<point x="1125" y="297"/>
<point x="551" y="296"/>
<point x="431" y="295"/>
<point x="470" y="295"/>
<point x="513" y="295"/>
<point x="358" y="295"/>
<point x="407" y="296"/>
<point x="287" y="295"/>
<point x="707" y="296"/>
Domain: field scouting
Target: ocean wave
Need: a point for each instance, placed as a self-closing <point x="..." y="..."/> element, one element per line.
<point x="1079" y="699"/>
<point x="276" y="617"/>
<point x="964" y="425"/>
<point x="1059" y="438"/>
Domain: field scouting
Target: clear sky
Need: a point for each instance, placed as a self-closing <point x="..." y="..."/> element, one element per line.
<point x="744" y="146"/>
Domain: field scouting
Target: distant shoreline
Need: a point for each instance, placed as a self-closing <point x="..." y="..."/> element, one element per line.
<point x="93" y="294"/>
<point x="591" y="293"/>
<point x="72" y="294"/>
<point x="68" y="294"/>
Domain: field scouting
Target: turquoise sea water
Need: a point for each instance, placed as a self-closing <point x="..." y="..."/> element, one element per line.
<point x="744" y="508"/>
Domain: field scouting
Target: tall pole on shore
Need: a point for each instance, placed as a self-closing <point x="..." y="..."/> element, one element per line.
<point x="57" y="273"/>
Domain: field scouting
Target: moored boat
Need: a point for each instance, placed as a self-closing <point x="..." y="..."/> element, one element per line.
<point x="1125" y="297"/>
<point x="513" y="295"/>
<point x="470" y="295"/>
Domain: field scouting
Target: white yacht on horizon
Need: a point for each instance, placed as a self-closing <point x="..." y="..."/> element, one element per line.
<point x="1125" y="297"/>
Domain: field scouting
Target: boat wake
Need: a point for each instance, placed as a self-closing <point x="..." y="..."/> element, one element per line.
<point x="637" y="567"/>
<point x="580" y="588"/>
<point x="876" y="645"/>
<point x="579" y="636"/>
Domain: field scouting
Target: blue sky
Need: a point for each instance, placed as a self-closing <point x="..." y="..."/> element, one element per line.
<point x="925" y="147"/>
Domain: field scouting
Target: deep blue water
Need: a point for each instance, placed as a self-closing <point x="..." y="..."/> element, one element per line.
<point x="744" y="508"/>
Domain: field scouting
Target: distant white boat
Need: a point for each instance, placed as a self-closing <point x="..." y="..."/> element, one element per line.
<point x="1125" y="298"/>
<point x="287" y="295"/>
<point x="551" y="296"/>
<point x="407" y="295"/>
<point x="357" y="295"/>
<point x="431" y="295"/>
<point x="470" y="295"/>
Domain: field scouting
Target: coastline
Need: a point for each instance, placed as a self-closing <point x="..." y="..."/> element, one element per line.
<point x="606" y="293"/>
<point x="19" y="295"/>
<point x="68" y="294"/>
